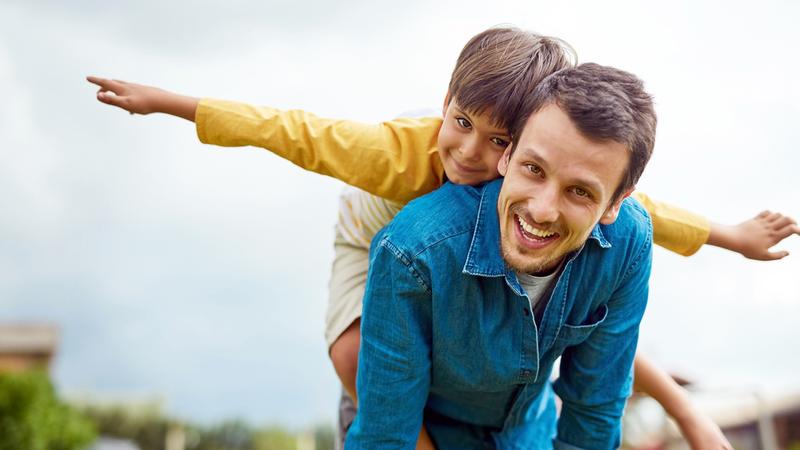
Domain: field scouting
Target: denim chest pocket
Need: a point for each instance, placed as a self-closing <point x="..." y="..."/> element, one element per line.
<point x="570" y="335"/>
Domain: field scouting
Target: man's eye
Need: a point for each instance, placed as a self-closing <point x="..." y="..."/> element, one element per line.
<point x="534" y="169"/>
<point x="499" y="142"/>
<point x="463" y="123"/>
<point x="580" y="192"/>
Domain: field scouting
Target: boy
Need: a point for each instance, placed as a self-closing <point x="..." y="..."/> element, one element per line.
<point x="496" y="69"/>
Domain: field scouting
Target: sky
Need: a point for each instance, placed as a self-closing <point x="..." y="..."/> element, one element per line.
<point x="199" y="274"/>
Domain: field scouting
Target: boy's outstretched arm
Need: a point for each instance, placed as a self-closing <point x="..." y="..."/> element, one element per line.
<point x="753" y="238"/>
<point x="141" y="99"/>
<point x="396" y="160"/>
<point x="698" y="429"/>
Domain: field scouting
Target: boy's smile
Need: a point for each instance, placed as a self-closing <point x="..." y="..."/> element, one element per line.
<point x="470" y="145"/>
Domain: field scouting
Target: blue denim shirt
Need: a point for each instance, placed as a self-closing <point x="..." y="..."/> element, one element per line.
<point x="448" y="335"/>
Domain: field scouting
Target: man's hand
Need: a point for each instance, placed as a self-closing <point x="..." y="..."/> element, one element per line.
<point x="141" y="99"/>
<point x="753" y="238"/>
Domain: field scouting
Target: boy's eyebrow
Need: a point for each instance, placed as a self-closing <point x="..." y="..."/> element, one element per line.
<point x="589" y="184"/>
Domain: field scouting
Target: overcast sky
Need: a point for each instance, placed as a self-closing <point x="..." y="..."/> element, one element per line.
<point x="199" y="273"/>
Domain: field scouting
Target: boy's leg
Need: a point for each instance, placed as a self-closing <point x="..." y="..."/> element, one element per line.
<point x="347" y="414"/>
<point x="343" y="319"/>
<point x="344" y="356"/>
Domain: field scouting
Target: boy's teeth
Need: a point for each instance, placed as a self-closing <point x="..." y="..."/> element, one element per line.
<point x="534" y="231"/>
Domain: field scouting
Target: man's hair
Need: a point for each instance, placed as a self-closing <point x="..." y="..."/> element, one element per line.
<point x="501" y="66"/>
<point x="604" y="103"/>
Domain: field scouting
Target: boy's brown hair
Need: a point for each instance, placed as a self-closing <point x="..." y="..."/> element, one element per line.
<point x="501" y="66"/>
<point x="604" y="103"/>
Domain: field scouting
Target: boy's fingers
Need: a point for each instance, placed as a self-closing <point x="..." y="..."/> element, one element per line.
<point x="787" y="231"/>
<point x="94" y="80"/>
<point x="763" y="214"/>
<point x="781" y="222"/>
<point x="102" y="82"/>
<point x="109" y="85"/>
<point x="773" y="217"/>
<point x="112" y="100"/>
<point x="772" y="256"/>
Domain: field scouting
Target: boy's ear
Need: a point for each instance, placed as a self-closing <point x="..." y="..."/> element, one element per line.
<point x="502" y="164"/>
<point x="612" y="211"/>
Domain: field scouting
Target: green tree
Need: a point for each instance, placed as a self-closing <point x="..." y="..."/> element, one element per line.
<point x="274" y="438"/>
<point x="32" y="417"/>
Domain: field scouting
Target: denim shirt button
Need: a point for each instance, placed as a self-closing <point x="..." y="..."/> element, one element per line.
<point x="525" y="373"/>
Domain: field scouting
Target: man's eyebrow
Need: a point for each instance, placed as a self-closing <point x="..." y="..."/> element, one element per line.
<point x="530" y="153"/>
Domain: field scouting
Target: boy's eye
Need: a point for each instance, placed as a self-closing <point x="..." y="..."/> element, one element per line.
<point x="499" y="142"/>
<point x="463" y="123"/>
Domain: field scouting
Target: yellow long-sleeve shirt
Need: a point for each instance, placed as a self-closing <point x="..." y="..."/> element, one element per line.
<point x="397" y="160"/>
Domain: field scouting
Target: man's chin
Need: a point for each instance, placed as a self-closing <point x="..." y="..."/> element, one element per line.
<point x="539" y="265"/>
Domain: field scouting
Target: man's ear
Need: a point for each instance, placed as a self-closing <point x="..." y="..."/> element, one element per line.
<point x="612" y="211"/>
<point x="502" y="164"/>
<point x="446" y="103"/>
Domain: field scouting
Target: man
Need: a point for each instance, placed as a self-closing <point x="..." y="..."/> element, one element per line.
<point x="477" y="290"/>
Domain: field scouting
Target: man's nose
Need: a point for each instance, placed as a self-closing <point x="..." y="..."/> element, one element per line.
<point x="543" y="206"/>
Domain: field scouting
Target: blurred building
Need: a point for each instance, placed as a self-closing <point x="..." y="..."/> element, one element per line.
<point x="25" y="346"/>
<point x="751" y="419"/>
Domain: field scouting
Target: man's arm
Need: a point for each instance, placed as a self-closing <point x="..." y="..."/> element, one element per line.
<point x="596" y="375"/>
<point x="396" y="160"/>
<point x="394" y="361"/>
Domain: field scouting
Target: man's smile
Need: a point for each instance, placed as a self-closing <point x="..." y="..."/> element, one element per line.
<point x="531" y="236"/>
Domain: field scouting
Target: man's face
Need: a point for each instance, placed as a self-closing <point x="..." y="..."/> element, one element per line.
<point x="470" y="145"/>
<point x="558" y="185"/>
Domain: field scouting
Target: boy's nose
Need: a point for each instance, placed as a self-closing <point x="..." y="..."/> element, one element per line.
<point x="470" y="150"/>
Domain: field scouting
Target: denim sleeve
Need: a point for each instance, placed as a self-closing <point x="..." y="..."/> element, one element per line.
<point x="394" y="360"/>
<point x="596" y="376"/>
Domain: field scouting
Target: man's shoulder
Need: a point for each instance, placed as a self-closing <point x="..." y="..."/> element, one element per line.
<point x="630" y="237"/>
<point x="433" y="218"/>
<point x="635" y="218"/>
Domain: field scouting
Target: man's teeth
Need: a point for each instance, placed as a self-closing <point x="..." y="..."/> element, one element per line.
<point x="534" y="231"/>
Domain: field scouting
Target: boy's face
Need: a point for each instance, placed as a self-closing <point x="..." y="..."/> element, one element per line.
<point x="558" y="185"/>
<point x="470" y="145"/>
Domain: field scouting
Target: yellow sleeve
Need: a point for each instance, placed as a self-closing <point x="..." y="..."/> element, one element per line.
<point x="675" y="229"/>
<point x="396" y="160"/>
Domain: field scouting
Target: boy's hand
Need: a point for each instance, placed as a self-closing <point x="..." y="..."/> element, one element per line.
<point x="141" y="99"/>
<point x="701" y="433"/>
<point x="753" y="238"/>
<point x="134" y="98"/>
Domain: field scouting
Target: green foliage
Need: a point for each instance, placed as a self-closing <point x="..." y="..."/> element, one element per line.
<point x="324" y="437"/>
<point x="147" y="429"/>
<point x="230" y="435"/>
<point x="274" y="438"/>
<point x="32" y="417"/>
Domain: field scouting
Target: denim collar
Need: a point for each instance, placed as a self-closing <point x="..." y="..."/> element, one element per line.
<point x="485" y="257"/>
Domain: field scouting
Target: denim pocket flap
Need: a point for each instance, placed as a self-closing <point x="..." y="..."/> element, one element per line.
<point x="575" y="334"/>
